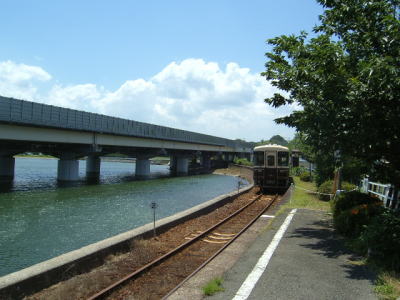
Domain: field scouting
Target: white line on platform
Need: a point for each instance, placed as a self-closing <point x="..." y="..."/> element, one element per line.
<point x="251" y="280"/>
<point x="267" y="216"/>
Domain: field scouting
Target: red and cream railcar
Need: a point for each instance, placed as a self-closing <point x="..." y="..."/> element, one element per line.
<point x="271" y="168"/>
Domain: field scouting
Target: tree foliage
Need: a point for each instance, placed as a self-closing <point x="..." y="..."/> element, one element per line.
<point x="347" y="80"/>
<point x="277" y="139"/>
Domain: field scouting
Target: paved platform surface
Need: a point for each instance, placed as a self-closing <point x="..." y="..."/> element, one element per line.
<point x="310" y="262"/>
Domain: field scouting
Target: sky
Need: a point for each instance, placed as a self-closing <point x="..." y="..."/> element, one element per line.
<point x="193" y="65"/>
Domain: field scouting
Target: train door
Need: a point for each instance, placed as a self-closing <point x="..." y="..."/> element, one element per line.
<point x="270" y="168"/>
<point x="283" y="168"/>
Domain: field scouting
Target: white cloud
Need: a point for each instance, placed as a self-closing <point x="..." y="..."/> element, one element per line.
<point x="192" y="94"/>
<point x="18" y="80"/>
<point x="81" y="96"/>
<point x="17" y="73"/>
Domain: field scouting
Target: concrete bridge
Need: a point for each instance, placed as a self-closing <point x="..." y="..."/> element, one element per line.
<point x="71" y="134"/>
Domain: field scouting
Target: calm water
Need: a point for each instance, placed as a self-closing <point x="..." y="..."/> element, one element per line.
<point x="40" y="220"/>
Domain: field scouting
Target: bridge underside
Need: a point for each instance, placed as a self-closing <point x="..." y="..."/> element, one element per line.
<point x="69" y="146"/>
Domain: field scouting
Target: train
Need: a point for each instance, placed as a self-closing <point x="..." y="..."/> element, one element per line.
<point x="272" y="167"/>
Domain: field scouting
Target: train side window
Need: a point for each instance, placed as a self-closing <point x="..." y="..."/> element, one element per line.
<point x="259" y="158"/>
<point x="271" y="160"/>
<point x="283" y="159"/>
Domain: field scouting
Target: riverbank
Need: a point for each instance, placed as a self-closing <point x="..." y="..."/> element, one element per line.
<point x="236" y="170"/>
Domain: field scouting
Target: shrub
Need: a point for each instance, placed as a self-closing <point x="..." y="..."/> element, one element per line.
<point x="327" y="186"/>
<point x="382" y="239"/>
<point x="349" y="200"/>
<point x="351" y="222"/>
<point x="305" y="176"/>
<point x="242" y="161"/>
<point x="298" y="170"/>
<point x="347" y="186"/>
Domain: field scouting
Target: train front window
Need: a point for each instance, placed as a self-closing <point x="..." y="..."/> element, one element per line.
<point x="283" y="159"/>
<point x="259" y="158"/>
<point x="271" y="160"/>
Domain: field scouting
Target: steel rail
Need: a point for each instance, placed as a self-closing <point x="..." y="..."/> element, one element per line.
<point x="108" y="290"/>
<point x="220" y="250"/>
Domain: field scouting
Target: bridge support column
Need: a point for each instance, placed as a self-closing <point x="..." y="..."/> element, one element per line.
<point x="182" y="166"/>
<point x="93" y="166"/>
<point x="68" y="168"/>
<point x="142" y="169"/>
<point x="205" y="161"/>
<point x="7" y="166"/>
<point x="172" y="165"/>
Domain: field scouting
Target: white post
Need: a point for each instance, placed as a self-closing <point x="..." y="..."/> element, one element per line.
<point x="365" y="185"/>
<point x="386" y="195"/>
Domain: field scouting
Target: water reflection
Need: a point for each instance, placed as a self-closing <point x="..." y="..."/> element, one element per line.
<point x="6" y="186"/>
<point x="41" y="174"/>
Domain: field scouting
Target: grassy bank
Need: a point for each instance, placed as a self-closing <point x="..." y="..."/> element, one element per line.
<point x="304" y="199"/>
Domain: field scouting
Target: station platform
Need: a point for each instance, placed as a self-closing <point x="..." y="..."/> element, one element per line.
<point x="305" y="260"/>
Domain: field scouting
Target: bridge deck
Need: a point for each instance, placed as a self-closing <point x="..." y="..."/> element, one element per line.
<point x="14" y="111"/>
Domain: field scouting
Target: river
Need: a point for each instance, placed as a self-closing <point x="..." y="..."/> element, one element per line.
<point x="39" y="219"/>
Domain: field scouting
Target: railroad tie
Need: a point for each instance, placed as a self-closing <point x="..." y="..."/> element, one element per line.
<point x="219" y="238"/>
<point x="213" y="238"/>
<point x="214" y="242"/>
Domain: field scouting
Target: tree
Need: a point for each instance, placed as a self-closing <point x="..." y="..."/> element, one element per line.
<point x="347" y="80"/>
<point x="277" y="139"/>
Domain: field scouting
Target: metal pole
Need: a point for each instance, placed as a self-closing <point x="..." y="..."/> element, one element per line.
<point x="154" y="206"/>
<point x="154" y="222"/>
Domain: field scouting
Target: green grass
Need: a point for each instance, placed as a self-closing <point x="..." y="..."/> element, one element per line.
<point x="160" y="158"/>
<point x="212" y="287"/>
<point x="387" y="286"/>
<point x="34" y="155"/>
<point x="303" y="199"/>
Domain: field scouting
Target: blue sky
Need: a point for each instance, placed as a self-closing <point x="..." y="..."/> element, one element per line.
<point x="165" y="62"/>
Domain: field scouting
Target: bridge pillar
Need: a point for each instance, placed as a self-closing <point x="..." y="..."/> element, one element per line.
<point x="172" y="164"/>
<point x="205" y="161"/>
<point x="142" y="167"/>
<point x="182" y="166"/>
<point x="7" y="166"/>
<point x="68" y="168"/>
<point x="93" y="166"/>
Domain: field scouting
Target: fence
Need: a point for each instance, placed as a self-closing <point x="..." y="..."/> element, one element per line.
<point x="385" y="192"/>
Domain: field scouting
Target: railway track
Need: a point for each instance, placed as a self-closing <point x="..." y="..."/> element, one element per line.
<point x="161" y="277"/>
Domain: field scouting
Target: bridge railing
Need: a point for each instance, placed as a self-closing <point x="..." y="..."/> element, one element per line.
<point x="43" y="115"/>
<point x="385" y="192"/>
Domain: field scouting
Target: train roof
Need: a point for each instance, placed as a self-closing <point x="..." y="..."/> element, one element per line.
<point x="271" y="147"/>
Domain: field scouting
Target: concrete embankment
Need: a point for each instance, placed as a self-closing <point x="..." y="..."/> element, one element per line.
<point x="42" y="275"/>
